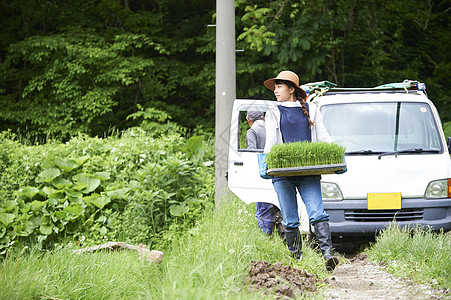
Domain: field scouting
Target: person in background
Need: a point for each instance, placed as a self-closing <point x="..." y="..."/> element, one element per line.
<point x="294" y="120"/>
<point x="255" y="139"/>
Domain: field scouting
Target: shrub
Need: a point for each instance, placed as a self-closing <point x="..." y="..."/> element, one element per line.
<point x="132" y="186"/>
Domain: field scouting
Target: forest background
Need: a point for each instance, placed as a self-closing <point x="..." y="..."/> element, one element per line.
<point x="86" y="66"/>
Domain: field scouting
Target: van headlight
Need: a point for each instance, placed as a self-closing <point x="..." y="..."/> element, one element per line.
<point x="331" y="192"/>
<point x="438" y="189"/>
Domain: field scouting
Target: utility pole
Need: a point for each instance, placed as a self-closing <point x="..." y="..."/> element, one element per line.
<point x="225" y="92"/>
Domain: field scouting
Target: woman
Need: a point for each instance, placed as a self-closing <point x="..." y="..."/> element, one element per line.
<point x="294" y="120"/>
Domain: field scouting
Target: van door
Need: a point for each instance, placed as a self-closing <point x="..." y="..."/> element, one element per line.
<point x="243" y="177"/>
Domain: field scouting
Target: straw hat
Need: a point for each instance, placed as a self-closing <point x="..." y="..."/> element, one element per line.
<point x="285" y="75"/>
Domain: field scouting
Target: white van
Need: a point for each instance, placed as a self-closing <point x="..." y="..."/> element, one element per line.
<point x="398" y="161"/>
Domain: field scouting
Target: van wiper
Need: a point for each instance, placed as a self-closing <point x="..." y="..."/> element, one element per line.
<point x="413" y="150"/>
<point x="362" y="152"/>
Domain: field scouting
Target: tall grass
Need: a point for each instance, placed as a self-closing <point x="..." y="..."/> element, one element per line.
<point x="210" y="262"/>
<point x="420" y="254"/>
<point x="303" y="154"/>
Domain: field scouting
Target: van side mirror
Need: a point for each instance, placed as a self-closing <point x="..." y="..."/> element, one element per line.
<point x="449" y="144"/>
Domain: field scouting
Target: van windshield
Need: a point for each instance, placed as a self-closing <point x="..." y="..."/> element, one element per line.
<point x="382" y="127"/>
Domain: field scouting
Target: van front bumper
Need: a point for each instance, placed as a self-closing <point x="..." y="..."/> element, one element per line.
<point x="352" y="217"/>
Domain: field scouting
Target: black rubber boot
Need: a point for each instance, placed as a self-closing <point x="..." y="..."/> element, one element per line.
<point x="294" y="242"/>
<point x="322" y="232"/>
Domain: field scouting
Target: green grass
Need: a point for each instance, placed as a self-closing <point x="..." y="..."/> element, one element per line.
<point x="302" y="154"/>
<point x="209" y="262"/>
<point x="419" y="254"/>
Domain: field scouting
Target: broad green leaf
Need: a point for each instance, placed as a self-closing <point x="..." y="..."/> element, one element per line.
<point x="46" y="228"/>
<point x="52" y="202"/>
<point x="52" y="193"/>
<point x="178" y="210"/>
<point x="61" y="183"/>
<point x="66" y="164"/>
<point x="37" y="205"/>
<point x="49" y="174"/>
<point x="4" y="241"/>
<point x="73" y="193"/>
<point x="46" y="220"/>
<point x="78" y="186"/>
<point x="24" y="228"/>
<point x="103" y="230"/>
<point x="91" y="182"/>
<point x="36" y="220"/>
<point x="101" y="219"/>
<point x="61" y="215"/>
<point x="29" y="191"/>
<point x="7" y="219"/>
<point x="23" y="217"/>
<point x="9" y="205"/>
<point x="11" y="233"/>
<point x="97" y="200"/>
<point x="74" y="209"/>
<point x="102" y="175"/>
<point x="194" y="146"/>
<point x="76" y="200"/>
<point x="81" y="160"/>
<point x="24" y="210"/>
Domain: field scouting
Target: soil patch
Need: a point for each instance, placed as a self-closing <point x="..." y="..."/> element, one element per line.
<point x="280" y="280"/>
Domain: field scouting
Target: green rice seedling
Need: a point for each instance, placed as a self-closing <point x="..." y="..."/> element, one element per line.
<point x="304" y="154"/>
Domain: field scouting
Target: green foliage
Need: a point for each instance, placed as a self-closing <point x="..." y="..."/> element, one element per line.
<point x="72" y="80"/>
<point x="302" y="154"/>
<point x="135" y="187"/>
<point x="155" y="121"/>
<point x="351" y="43"/>
<point x="418" y="253"/>
<point x="210" y="261"/>
<point x="70" y="67"/>
<point x="63" y="201"/>
<point x="447" y="129"/>
<point x="84" y="67"/>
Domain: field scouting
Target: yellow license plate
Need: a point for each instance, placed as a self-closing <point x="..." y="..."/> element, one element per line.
<point x="384" y="201"/>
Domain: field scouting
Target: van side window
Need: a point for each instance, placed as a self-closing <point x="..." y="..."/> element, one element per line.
<point x="252" y="134"/>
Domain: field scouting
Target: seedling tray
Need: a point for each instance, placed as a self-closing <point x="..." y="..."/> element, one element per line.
<point x="304" y="171"/>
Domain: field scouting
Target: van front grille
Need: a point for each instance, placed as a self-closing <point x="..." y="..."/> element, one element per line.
<point x="403" y="215"/>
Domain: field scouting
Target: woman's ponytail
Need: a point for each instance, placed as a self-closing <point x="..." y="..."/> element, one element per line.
<point x="299" y="96"/>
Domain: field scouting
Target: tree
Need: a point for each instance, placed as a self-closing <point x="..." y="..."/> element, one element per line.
<point x="68" y="82"/>
<point x="349" y="42"/>
<point x="68" y="66"/>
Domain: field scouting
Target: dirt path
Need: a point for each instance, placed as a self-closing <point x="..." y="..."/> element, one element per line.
<point x="355" y="278"/>
<point x="358" y="278"/>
